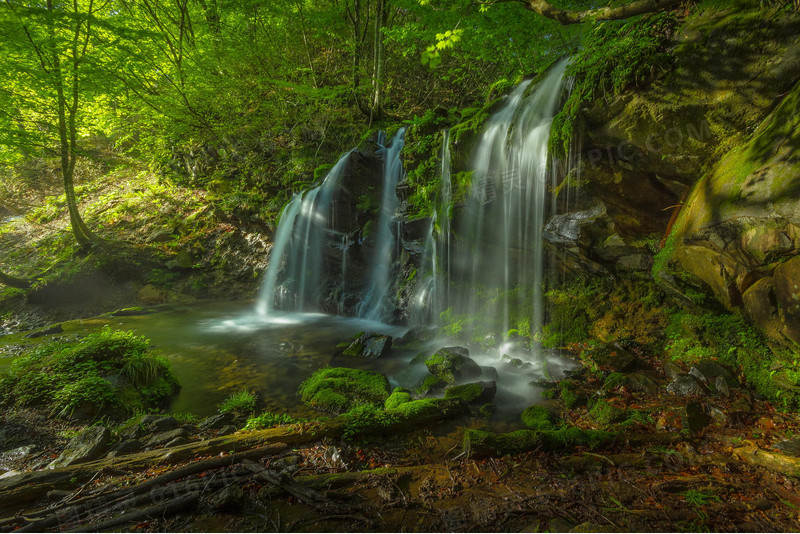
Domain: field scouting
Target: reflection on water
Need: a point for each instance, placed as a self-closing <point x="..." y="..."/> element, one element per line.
<point x="219" y="348"/>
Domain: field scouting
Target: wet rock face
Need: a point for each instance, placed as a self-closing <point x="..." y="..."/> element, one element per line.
<point x="685" y="386"/>
<point x="370" y="345"/>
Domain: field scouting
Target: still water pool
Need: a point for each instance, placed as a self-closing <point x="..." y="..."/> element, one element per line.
<point x="220" y="347"/>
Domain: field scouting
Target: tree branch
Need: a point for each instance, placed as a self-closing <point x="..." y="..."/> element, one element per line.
<point x="566" y="16"/>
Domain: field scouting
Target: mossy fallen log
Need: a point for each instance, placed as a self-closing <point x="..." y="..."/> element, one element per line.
<point x="26" y="488"/>
<point x="774" y="461"/>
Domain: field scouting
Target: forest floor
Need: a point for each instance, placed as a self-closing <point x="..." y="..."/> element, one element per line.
<point x="658" y="474"/>
<point x="156" y="243"/>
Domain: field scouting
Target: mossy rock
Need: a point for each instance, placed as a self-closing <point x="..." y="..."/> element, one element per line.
<point x="399" y="396"/>
<point x="431" y="384"/>
<point x="538" y="418"/>
<point x="473" y="393"/>
<point x="339" y="389"/>
<point x="606" y="414"/>
<point x="452" y="364"/>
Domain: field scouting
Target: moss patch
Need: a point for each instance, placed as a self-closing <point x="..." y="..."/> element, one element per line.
<point x="108" y="373"/>
<point x="482" y="443"/>
<point x="537" y="418"/>
<point x="399" y="396"/>
<point x="339" y="389"/>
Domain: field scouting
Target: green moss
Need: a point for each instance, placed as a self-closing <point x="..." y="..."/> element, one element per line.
<point x="606" y="414"/>
<point x="537" y="418"/>
<point x="369" y="419"/>
<point x="338" y="389"/>
<point x="399" y="396"/>
<point x="774" y="372"/>
<point x="269" y="420"/>
<point x="430" y="384"/>
<point x="465" y="392"/>
<point x="106" y="373"/>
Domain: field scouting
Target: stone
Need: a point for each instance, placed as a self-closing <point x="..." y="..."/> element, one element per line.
<point x="789" y="446"/>
<point x="613" y="357"/>
<point x="672" y="370"/>
<point x="159" y="236"/>
<point x="370" y="345"/>
<point x="489" y="373"/>
<point x="685" y="385"/>
<point x="89" y="445"/>
<point x="721" y="387"/>
<point x="151" y="294"/>
<point x="180" y="440"/>
<point x="709" y="370"/>
<point x="128" y="446"/>
<point x="713" y="268"/>
<point x="287" y="462"/>
<point x="758" y="301"/>
<point x="215" y="422"/>
<point x="635" y="262"/>
<point x="227" y="429"/>
<point x="183" y="260"/>
<point x="787" y="293"/>
<point x="55" y="329"/>
<point x="473" y="393"/>
<point x="229" y="499"/>
<point x="165" y="437"/>
<point x="452" y="364"/>
<point x="162" y="423"/>
<point x="695" y="417"/>
<point x="642" y="382"/>
<point x="717" y="415"/>
<point x="17" y="454"/>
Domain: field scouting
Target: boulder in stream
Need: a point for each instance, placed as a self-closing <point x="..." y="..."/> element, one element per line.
<point x="369" y="345"/>
<point x="452" y="364"/>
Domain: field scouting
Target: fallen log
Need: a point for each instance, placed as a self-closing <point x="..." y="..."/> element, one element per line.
<point x="27" y="488"/>
<point x="774" y="461"/>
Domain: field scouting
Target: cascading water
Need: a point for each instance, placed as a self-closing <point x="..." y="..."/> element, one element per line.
<point x="431" y="297"/>
<point x="297" y="253"/>
<point x="499" y="253"/>
<point x="309" y="269"/>
<point x="373" y="305"/>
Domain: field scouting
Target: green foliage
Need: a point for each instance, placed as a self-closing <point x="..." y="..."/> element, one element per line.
<point x="241" y="402"/>
<point x="537" y="418"/>
<point x="699" y="497"/>
<point x="728" y="338"/>
<point x="108" y="370"/>
<point x="614" y="55"/>
<point x="339" y="389"/>
<point x="466" y="392"/>
<point x="526" y="440"/>
<point x="269" y="420"/>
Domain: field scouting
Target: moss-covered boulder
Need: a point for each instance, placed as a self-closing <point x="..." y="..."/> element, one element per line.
<point x="399" y="396"/>
<point x="606" y="414"/>
<point x="369" y="345"/>
<point x="538" y="417"/>
<point x="472" y="393"/>
<point x="452" y="364"/>
<point x="339" y="389"/>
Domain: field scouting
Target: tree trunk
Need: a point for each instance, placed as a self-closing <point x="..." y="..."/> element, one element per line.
<point x="379" y="61"/>
<point x="11" y="281"/>
<point x="566" y="16"/>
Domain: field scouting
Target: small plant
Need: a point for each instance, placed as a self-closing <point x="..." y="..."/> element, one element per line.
<point x="239" y="403"/>
<point x="700" y="498"/>
<point x="269" y="420"/>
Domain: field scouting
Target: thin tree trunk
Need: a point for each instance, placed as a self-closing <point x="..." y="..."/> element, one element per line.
<point x="12" y="281"/>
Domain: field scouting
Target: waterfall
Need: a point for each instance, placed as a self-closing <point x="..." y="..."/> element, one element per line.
<point x="499" y="256"/>
<point x="373" y="304"/>
<point x="432" y="294"/>
<point x="297" y="252"/>
<point x="309" y="267"/>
